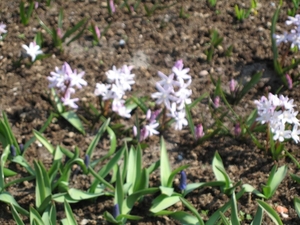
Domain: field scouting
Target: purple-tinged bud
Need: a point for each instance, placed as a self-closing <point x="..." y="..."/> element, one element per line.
<point x="116" y="210"/>
<point x="131" y="9"/>
<point x="179" y="64"/>
<point x="148" y="114"/>
<point x="87" y="160"/>
<point x="232" y="86"/>
<point x="237" y="129"/>
<point x="217" y="102"/>
<point x="289" y="81"/>
<point x="97" y="31"/>
<point x="134" y="131"/>
<point x="36" y="5"/>
<point x="154" y="115"/>
<point x="66" y="160"/>
<point x="183" y="181"/>
<point x="21" y="146"/>
<point x="112" y="6"/>
<point x="12" y="151"/>
<point x="59" y="33"/>
<point x="199" y="131"/>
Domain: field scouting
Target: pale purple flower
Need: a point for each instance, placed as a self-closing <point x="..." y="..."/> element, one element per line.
<point x="118" y="106"/>
<point x="167" y="82"/>
<point x="76" y="79"/>
<point x="164" y="96"/>
<point x="33" y="50"/>
<point x="2" y="28"/>
<point x="295" y="134"/>
<point x="67" y="101"/>
<point x="178" y="116"/>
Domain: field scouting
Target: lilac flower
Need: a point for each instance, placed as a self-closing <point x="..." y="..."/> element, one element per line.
<point x="178" y="116"/>
<point x="164" y="96"/>
<point x="33" y="50"/>
<point x="76" y="79"/>
<point x="167" y="82"/>
<point x="2" y="28"/>
<point x="67" y="101"/>
<point x="118" y="105"/>
<point x="183" y="181"/>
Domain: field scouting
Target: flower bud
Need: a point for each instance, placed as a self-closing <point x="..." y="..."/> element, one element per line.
<point x="12" y="151"/>
<point x="232" y="86"/>
<point x="199" y="131"/>
<point x="134" y="131"/>
<point x="21" y="146"/>
<point x="59" y="33"/>
<point x="36" y="5"/>
<point x="112" y="6"/>
<point x="97" y="31"/>
<point x="87" y="160"/>
<point x="237" y="129"/>
<point x="116" y="210"/>
<point x="148" y="114"/>
<point x="179" y="64"/>
<point x="183" y="182"/>
<point x="154" y="115"/>
<point x="289" y="81"/>
<point x="217" y="102"/>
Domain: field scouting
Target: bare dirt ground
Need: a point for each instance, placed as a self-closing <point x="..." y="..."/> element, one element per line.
<point x="152" y="43"/>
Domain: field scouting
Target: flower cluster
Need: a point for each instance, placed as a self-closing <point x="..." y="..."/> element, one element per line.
<point x="279" y="113"/>
<point x="64" y="80"/>
<point x="33" y="50"/>
<point x="149" y="129"/>
<point x="2" y="29"/>
<point x="120" y="81"/>
<point x="293" y="36"/>
<point x="173" y="92"/>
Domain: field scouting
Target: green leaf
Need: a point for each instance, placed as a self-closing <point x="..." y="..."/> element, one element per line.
<point x="274" y="180"/>
<point x="8" y="199"/>
<point x="60" y="18"/>
<point x="258" y="216"/>
<point x="224" y="219"/>
<point x="165" y="169"/>
<point x="193" y="186"/>
<point x="69" y="214"/>
<point x="193" y="210"/>
<point x="162" y="202"/>
<point x="140" y="103"/>
<point x="174" y="173"/>
<point x="20" y="160"/>
<point x="183" y="217"/>
<point x="79" y="195"/>
<point x="73" y="29"/>
<point x="234" y="210"/>
<point x="250" y="189"/>
<point x="119" y="194"/>
<point x="43" y="141"/>
<point x="9" y="173"/>
<point x="297" y="205"/>
<point x="73" y="119"/>
<point x="4" y="156"/>
<point x="270" y="211"/>
<point x="190" y="121"/>
<point x="43" y="187"/>
<point x="129" y="202"/>
<point x="35" y="216"/>
<point x="168" y="191"/>
<point x="16" y="216"/>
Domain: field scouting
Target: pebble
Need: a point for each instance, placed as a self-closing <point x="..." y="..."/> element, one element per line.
<point x="203" y="73"/>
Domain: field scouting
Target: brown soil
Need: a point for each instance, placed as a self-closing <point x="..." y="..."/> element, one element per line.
<point x="152" y="43"/>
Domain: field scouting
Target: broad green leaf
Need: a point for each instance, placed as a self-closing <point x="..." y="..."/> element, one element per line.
<point x="140" y="103"/>
<point x="129" y="217"/>
<point x="43" y="141"/>
<point x="22" y="161"/>
<point x="275" y="179"/>
<point x="7" y="198"/>
<point x="217" y="165"/>
<point x="43" y="187"/>
<point x="8" y="173"/>
<point x="270" y="211"/>
<point x="184" y="218"/>
<point x="69" y="214"/>
<point x="168" y="191"/>
<point x="165" y="169"/>
<point x="79" y="195"/>
<point x="191" y="187"/>
<point x="297" y="205"/>
<point x="174" y="173"/>
<point x="162" y="202"/>
<point x="73" y="119"/>
<point x="109" y="218"/>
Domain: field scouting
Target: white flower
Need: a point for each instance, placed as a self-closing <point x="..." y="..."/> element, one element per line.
<point x="33" y="50"/>
<point x="179" y="117"/>
<point x="167" y="82"/>
<point x="103" y="90"/>
<point x="118" y="106"/>
<point x="67" y="101"/>
<point x="295" y="134"/>
<point x="280" y="133"/>
<point x="76" y="79"/>
<point x="164" y="96"/>
<point x="151" y="128"/>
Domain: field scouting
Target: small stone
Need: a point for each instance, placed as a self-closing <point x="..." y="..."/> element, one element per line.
<point x="203" y="73"/>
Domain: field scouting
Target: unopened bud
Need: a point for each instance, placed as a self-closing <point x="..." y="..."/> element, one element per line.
<point x="237" y="129"/>
<point x="21" y="146"/>
<point x="116" y="210"/>
<point x="59" y="33"/>
<point x="289" y="81"/>
<point x="217" y="102"/>
<point x="12" y="151"/>
<point x="134" y="131"/>
<point x="87" y="160"/>
<point x="36" y="5"/>
<point x="148" y="114"/>
<point x="232" y="86"/>
<point x="179" y="64"/>
<point x="199" y="131"/>
<point x="112" y="6"/>
<point x="183" y="181"/>
<point x="97" y="31"/>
